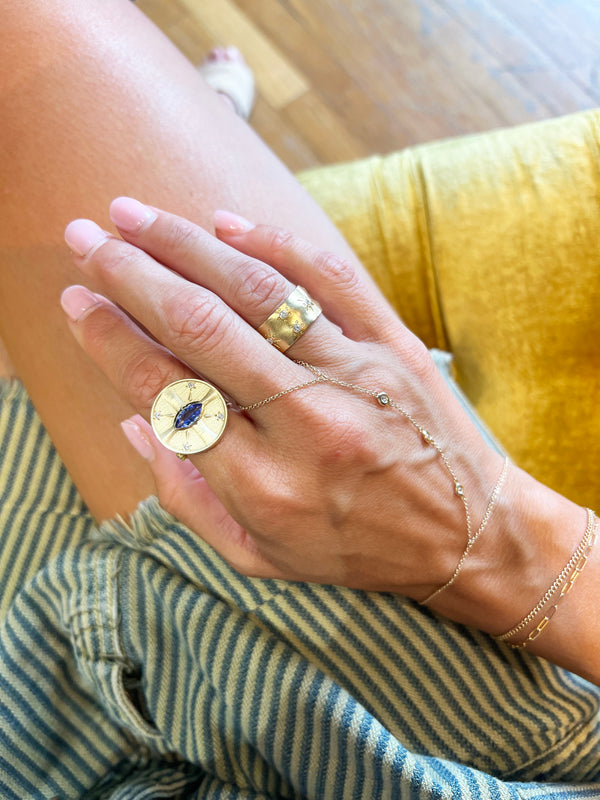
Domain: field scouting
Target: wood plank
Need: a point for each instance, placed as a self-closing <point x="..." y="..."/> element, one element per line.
<point x="447" y="80"/>
<point x="191" y="38"/>
<point x="328" y="136"/>
<point x="161" y="13"/>
<point x="367" y="119"/>
<point x="568" y="29"/>
<point x="378" y="75"/>
<point x="408" y="65"/>
<point x="519" y="51"/>
<point x="289" y="142"/>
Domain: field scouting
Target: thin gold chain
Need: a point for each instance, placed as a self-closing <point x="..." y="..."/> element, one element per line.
<point x="555" y="586"/>
<point x="473" y="539"/>
<point x="270" y="399"/>
<point x="384" y="400"/>
<point x="564" y="581"/>
<point x="566" y="588"/>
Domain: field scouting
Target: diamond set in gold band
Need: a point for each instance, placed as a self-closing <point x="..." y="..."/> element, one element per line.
<point x="189" y="416"/>
<point x="290" y="320"/>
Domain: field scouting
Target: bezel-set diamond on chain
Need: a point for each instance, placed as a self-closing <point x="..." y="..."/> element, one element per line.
<point x="384" y="400"/>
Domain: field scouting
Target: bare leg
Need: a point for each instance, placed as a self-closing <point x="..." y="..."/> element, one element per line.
<point x="97" y="103"/>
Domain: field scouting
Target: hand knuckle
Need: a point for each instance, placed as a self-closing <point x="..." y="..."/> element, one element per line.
<point x="146" y="377"/>
<point x="337" y="270"/>
<point x="261" y="286"/>
<point x="279" y="241"/>
<point x="181" y="237"/>
<point x="342" y="436"/>
<point x="196" y="321"/>
<point x="113" y="260"/>
<point x="99" y="331"/>
<point x="415" y="357"/>
<point x="169" y="495"/>
<point x="98" y="327"/>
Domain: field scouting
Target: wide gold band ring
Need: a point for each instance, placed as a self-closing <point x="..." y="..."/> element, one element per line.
<point x="290" y="320"/>
<point x="189" y="416"/>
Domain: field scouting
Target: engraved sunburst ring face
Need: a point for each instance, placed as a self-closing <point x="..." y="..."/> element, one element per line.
<point x="189" y="416"/>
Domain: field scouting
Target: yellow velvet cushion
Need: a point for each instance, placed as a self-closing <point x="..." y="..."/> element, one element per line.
<point x="489" y="246"/>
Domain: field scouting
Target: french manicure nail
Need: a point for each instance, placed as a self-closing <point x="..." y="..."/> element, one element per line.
<point x="137" y="439"/>
<point x="232" y="224"/>
<point x="130" y="215"/>
<point x="83" y="236"/>
<point x="77" y="302"/>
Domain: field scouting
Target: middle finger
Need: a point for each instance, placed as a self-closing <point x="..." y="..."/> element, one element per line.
<point x="249" y="286"/>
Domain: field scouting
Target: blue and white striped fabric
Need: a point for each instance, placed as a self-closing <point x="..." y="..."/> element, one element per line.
<point x="134" y="663"/>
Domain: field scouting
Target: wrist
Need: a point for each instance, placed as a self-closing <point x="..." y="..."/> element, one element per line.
<point x="532" y="535"/>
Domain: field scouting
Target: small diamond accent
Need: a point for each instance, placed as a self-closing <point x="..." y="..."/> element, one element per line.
<point x="459" y="490"/>
<point x="157" y="415"/>
<point x="284" y="314"/>
<point x="427" y="436"/>
<point x="297" y="327"/>
<point x="220" y="415"/>
<point x="187" y="446"/>
<point x="383" y="399"/>
<point x="191" y="385"/>
<point x="271" y="340"/>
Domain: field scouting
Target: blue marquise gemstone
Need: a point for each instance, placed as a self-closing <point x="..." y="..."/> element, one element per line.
<point x="188" y="415"/>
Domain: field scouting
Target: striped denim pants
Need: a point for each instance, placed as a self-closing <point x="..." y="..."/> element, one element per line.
<point x="135" y="663"/>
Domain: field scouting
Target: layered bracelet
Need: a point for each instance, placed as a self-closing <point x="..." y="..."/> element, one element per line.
<point x="547" y="606"/>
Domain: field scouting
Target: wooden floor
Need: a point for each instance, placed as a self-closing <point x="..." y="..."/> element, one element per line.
<point x="339" y="80"/>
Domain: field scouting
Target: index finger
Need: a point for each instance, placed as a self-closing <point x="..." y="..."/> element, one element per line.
<point x="190" y="320"/>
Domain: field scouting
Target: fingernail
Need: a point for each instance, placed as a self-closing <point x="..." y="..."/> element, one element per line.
<point x="77" y="302"/>
<point x="137" y="439"/>
<point x="83" y="236"/>
<point x="130" y="215"/>
<point x="232" y="224"/>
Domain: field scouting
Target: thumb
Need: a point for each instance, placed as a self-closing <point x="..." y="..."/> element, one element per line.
<point x="184" y="493"/>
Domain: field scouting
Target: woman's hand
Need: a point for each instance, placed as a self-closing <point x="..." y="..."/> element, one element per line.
<point x="322" y="484"/>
